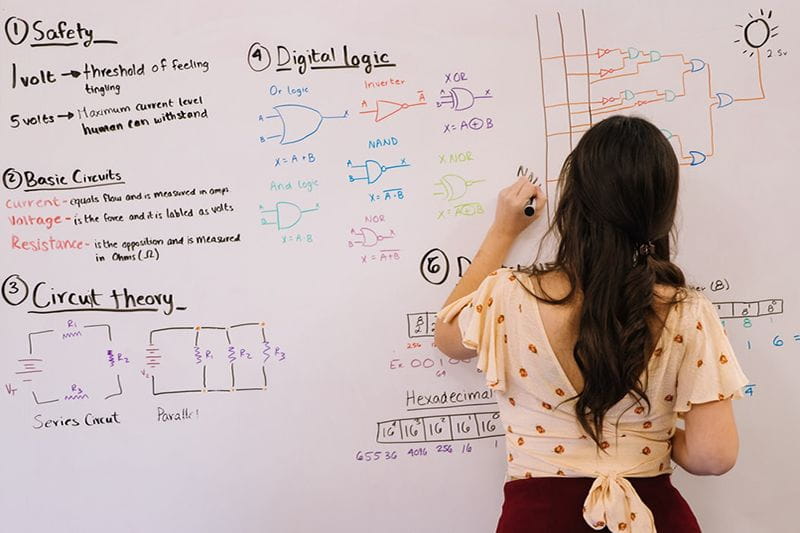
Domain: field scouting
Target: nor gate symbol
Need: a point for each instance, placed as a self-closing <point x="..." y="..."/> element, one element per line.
<point x="369" y="237"/>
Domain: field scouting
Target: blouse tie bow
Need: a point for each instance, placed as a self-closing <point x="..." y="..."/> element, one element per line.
<point x="613" y="502"/>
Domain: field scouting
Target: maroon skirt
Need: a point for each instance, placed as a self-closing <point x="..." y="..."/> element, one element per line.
<point x="555" y="504"/>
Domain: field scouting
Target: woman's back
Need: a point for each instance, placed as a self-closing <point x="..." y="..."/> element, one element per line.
<point x="525" y="350"/>
<point x="561" y="323"/>
<point x="595" y="353"/>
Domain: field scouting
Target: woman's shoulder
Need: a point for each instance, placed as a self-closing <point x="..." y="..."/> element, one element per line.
<point x="548" y="285"/>
<point x="497" y="282"/>
<point x="497" y="277"/>
<point x="515" y="285"/>
<point x="687" y="297"/>
<point x="556" y="285"/>
<point x="689" y="304"/>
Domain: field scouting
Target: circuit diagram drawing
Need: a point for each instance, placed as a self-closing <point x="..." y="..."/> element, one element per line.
<point x="205" y="359"/>
<point x="582" y="84"/>
<point x="71" y="363"/>
<point x="371" y="170"/>
<point x="292" y="123"/>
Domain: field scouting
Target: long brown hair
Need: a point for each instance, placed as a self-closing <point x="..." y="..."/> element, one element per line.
<point x="618" y="192"/>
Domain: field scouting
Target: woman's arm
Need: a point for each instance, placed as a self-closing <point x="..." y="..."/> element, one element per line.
<point x="710" y="443"/>
<point x="489" y="258"/>
<point x="509" y="222"/>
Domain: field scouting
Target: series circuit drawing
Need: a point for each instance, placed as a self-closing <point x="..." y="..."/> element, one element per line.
<point x="373" y="170"/>
<point x="460" y="98"/>
<point x="284" y="215"/>
<point x="295" y="122"/>
<point x="67" y="364"/>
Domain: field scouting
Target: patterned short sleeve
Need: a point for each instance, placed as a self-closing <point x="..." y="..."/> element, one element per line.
<point x="480" y="319"/>
<point x="709" y="370"/>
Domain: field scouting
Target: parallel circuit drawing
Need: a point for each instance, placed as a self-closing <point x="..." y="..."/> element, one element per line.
<point x="203" y="359"/>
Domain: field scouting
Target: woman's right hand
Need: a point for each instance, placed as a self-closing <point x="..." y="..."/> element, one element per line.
<point x="510" y="217"/>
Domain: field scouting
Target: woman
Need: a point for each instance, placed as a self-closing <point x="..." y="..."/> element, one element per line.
<point x="595" y="355"/>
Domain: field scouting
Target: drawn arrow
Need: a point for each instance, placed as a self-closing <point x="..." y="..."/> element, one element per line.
<point x="67" y="116"/>
<point x="73" y="73"/>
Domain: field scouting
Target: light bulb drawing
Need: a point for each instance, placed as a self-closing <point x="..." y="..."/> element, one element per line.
<point x="373" y="170"/>
<point x="756" y="32"/>
<point x="297" y="122"/>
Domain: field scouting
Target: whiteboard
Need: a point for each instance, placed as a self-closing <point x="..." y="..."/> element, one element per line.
<point x="228" y="229"/>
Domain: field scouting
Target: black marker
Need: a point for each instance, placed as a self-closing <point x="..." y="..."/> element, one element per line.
<point x="530" y="209"/>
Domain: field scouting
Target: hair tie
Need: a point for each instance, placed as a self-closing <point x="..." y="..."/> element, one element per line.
<point x="643" y="250"/>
